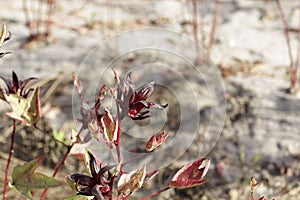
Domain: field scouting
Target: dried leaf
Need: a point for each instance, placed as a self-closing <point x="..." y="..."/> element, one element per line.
<point x="191" y="174"/>
<point x="26" y="179"/>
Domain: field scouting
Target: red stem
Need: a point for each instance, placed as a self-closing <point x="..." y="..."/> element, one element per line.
<point x="118" y="133"/>
<point x="287" y="37"/>
<point x="46" y="133"/>
<point x="298" y="54"/>
<point x="51" y="5"/>
<point x="195" y="21"/>
<point x="11" y="151"/>
<point x="155" y="193"/>
<point x="58" y="168"/>
<point x="252" y="196"/>
<point x="202" y="14"/>
<point x="61" y="164"/>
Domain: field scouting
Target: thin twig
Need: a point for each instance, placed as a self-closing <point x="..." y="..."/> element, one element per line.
<point x="287" y="37"/>
<point x="61" y="164"/>
<point x="58" y="168"/>
<point x="27" y="17"/>
<point x="195" y="20"/>
<point x="213" y="27"/>
<point x="39" y="17"/>
<point x="202" y="14"/>
<point x="51" y="6"/>
<point x="155" y="193"/>
<point x="52" y="137"/>
<point x="298" y="55"/>
<point x="11" y="151"/>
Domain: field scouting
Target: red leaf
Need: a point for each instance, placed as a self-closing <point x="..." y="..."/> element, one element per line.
<point x="109" y="126"/>
<point x="130" y="182"/>
<point x="161" y="138"/>
<point x="155" y="141"/>
<point x="191" y="174"/>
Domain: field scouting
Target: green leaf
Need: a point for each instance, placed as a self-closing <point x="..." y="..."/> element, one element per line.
<point x="71" y="184"/>
<point x="26" y="110"/>
<point x="26" y="179"/>
<point x="2" y="96"/>
<point x="78" y="197"/>
<point x="60" y="136"/>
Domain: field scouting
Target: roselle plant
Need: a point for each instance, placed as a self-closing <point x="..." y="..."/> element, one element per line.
<point x="25" y="108"/>
<point x="104" y="181"/>
<point x="111" y="181"/>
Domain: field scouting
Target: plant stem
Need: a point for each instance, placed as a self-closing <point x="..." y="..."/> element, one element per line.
<point x="51" y="6"/>
<point x="46" y="133"/>
<point x="11" y="151"/>
<point x="58" y="168"/>
<point x="213" y="27"/>
<point x="202" y="14"/>
<point x="155" y="193"/>
<point x="28" y="20"/>
<point x="61" y="164"/>
<point x="287" y="37"/>
<point x="118" y="133"/>
<point x="298" y="55"/>
<point x="195" y="21"/>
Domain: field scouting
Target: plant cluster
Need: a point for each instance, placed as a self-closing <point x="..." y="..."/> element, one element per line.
<point x="104" y="181"/>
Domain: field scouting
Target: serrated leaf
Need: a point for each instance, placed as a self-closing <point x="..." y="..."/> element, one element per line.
<point x="78" y="197"/>
<point x="130" y="182"/>
<point x="26" y="110"/>
<point x="26" y="179"/>
<point x="191" y="174"/>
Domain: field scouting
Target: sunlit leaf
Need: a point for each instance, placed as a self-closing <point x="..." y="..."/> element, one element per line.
<point x="191" y="174"/>
<point x="77" y="83"/>
<point x="2" y="34"/>
<point x="26" y="110"/>
<point x="26" y="179"/>
<point x="2" y="96"/>
<point x="130" y="182"/>
<point x="109" y="126"/>
<point x="253" y="184"/>
<point x="155" y="141"/>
